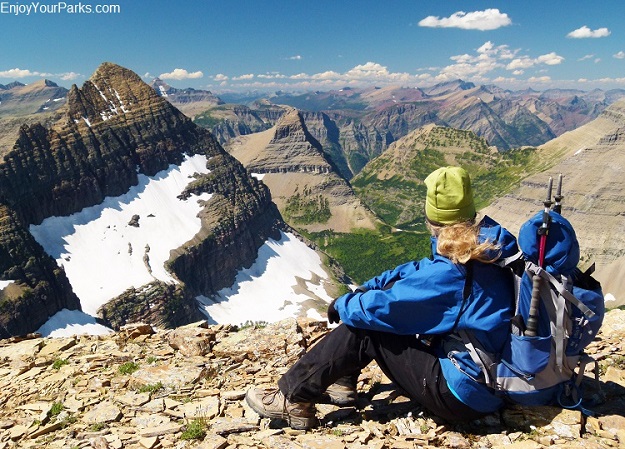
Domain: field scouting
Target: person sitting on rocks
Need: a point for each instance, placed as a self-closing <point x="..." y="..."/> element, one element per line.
<point x="405" y="319"/>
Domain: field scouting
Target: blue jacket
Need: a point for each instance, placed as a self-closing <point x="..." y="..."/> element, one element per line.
<point x="426" y="298"/>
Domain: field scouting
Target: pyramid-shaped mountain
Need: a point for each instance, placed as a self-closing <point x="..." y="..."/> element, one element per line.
<point x="303" y="181"/>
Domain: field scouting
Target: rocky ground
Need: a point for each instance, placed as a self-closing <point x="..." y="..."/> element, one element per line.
<point x="184" y="388"/>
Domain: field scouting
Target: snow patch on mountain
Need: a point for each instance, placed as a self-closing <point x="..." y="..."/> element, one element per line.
<point x="104" y="254"/>
<point x="274" y="287"/>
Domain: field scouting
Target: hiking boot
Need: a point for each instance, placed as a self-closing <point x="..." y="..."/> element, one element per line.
<point x="272" y="404"/>
<point x="339" y="394"/>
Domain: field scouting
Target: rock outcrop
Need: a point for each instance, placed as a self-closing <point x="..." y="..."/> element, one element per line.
<point x="184" y="388"/>
<point x="112" y="129"/>
<point x="232" y="120"/>
<point x="38" y="287"/>
<point x="304" y="181"/>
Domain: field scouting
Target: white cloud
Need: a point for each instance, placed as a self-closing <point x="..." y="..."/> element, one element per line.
<point x="585" y="57"/>
<point x="271" y="75"/>
<point x="181" y="74"/>
<point x="524" y="62"/>
<point x="221" y="77"/>
<point x="550" y="59"/>
<point x="620" y="55"/>
<point x="372" y="71"/>
<point x="17" y="73"/>
<point x="474" y="67"/>
<point x="69" y="76"/>
<point x="328" y="75"/>
<point x="489" y="19"/>
<point x="489" y="58"/>
<point x="300" y="76"/>
<point x="247" y="76"/>
<point x="295" y="58"/>
<point x="22" y="73"/>
<point x="539" y="79"/>
<point x="585" y="32"/>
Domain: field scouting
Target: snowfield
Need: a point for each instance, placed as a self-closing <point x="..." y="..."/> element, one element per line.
<point x="268" y="290"/>
<point x="103" y="254"/>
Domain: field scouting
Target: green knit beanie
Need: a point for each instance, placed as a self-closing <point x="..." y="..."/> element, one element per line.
<point x="449" y="197"/>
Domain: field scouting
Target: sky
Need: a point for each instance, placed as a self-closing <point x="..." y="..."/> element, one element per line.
<point x="297" y="45"/>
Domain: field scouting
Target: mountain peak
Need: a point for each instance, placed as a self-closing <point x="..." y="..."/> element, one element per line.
<point x="291" y="128"/>
<point x="112" y="91"/>
<point x="13" y="85"/>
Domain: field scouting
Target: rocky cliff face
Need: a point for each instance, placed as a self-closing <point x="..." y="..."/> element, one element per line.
<point x="302" y="178"/>
<point x="112" y="129"/>
<point x="229" y="121"/>
<point x="38" y="287"/>
<point x="235" y="223"/>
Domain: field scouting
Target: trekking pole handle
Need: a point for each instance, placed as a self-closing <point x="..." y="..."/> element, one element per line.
<point x="531" y="328"/>
<point x="558" y="198"/>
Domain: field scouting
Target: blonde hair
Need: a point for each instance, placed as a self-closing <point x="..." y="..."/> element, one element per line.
<point x="460" y="243"/>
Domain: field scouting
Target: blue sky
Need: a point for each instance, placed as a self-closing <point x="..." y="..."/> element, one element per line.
<point x="237" y="45"/>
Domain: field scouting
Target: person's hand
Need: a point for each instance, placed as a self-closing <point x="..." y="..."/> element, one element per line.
<point x="333" y="315"/>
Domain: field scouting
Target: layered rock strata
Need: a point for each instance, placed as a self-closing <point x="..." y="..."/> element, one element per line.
<point x="303" y="180"/>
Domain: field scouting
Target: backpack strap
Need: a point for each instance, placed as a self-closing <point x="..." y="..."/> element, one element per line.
<point x="482" y="359"/>
<point x="555" y="302"/>
<point x="485" y="361"/>
<point x="560" y="288"/>
<point x="466" y="292"/>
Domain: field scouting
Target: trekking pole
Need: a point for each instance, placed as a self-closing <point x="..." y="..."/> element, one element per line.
<point x="557" y="207"/>
<point x="543" y="231"/>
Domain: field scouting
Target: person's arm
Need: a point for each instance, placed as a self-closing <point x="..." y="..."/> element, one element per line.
<point x="383" y="280"/>
<point x="425" y="301"/>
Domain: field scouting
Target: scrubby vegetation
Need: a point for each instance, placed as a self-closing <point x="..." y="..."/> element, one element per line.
<point x="306" y="208"/>
<point x="364" y="253"/>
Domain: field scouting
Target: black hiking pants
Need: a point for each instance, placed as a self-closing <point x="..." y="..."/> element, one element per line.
<point x="403" y="358"/>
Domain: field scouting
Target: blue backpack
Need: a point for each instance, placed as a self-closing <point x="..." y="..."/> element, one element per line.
<point x="546" y="367"/>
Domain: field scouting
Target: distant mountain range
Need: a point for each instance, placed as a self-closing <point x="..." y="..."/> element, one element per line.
<point x="27" y="104"/>
<point x="356" y="125"/>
